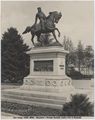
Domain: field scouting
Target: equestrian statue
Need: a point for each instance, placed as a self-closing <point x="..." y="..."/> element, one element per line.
<point x="46" y="25"/>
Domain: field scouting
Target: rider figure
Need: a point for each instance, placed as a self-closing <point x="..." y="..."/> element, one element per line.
<point x="41" y="16"/>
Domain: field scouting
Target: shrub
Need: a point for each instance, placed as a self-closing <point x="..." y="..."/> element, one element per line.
<point x="78" y="106"/>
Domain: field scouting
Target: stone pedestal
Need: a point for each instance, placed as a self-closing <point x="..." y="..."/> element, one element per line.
<point x="47" y="84"/>
<point x="47" y="72"/>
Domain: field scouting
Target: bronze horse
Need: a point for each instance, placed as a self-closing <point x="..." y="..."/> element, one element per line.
<point x="49" y="27"/>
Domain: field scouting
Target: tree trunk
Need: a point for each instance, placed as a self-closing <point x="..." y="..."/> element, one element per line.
<point x="79" y="66"/>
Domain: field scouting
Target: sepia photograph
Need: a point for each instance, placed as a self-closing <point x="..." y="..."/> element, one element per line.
<point x="47" y="59"/>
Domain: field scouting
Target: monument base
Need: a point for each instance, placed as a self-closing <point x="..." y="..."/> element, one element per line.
<point x="49" y="92"/>
<point x="34" y="98"/>
<point x="54" y="84"/>
<point x="47" y="84"/>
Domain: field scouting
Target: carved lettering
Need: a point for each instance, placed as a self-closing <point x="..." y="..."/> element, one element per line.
<point x="47" y="83"/>
<point x="43" y="65"/>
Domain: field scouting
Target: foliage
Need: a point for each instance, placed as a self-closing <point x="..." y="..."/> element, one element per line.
<point x="14" y="60"/>
<point x="80" y="54"/>
<point x="71" y="57"/>
<point x="77" y="75"/>
<point x="67" y="44"/>
<point x="79" y="106"/>
<point x="80" y="57"/>
<point x="28" y="110"/>
<point x="74" y="74"/>
<point x="89" y="57"/>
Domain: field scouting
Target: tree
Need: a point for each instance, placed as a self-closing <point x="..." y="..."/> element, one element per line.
<point x="14" y="60"/>
<point x="71" y="56"/>
<point x="65" y="43"/>
<point x="80" y="55"/>
<point x="89" y="58"/>
<point x="78" y="106"/>
<point x="68" y="44"/>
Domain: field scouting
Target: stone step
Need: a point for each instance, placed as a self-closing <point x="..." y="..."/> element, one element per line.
<point x="28" y="97"/>
<point x="34" y="94"/>
<point x="31" y="98"/>
<point x="35" y="103"/>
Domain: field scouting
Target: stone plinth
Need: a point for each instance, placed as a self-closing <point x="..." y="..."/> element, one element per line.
<point x="47" y="84"/>
<point x="47" y="71"/>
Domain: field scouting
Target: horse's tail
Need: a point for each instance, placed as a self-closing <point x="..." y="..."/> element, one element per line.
<point x="28" y="29"/>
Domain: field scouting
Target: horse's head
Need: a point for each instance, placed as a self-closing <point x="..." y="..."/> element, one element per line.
<point x="56" y="15"/>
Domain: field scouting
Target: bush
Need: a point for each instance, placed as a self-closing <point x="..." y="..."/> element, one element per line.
<point x="74" y="74"/>
<point x="6" y="81"/>
<point x="77" y="75"/>
<point x="79" y="106"/>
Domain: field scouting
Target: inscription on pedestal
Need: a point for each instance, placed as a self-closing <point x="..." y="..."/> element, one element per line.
<point x="43" y="65"/>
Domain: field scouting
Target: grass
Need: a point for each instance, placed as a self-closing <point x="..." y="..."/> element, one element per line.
<point x="27" y="110"/>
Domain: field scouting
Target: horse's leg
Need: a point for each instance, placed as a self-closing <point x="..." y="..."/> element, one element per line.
<point x="32" y="39"/>
<point x="58" y="32"/>
<point x="55" y="36"/>
<point x="38" y="38"/>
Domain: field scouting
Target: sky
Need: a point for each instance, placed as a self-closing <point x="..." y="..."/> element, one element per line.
<point x="77" y="20"/>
